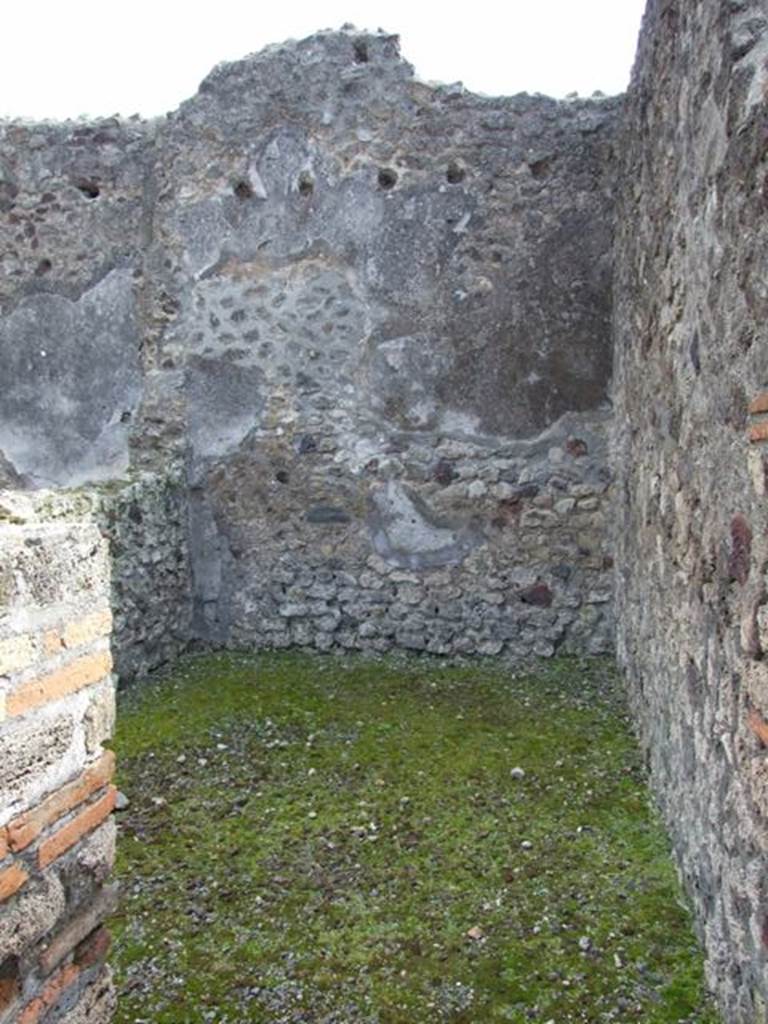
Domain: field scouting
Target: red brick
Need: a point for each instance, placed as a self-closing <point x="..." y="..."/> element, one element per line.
<point x="89" y="819"/>
<point x="759" y="404"/>
<point x="94" y="949"/>
<point x="758" y="725"/>
<point x="10" y="983"/>
<point x="52" y="643"/>
<point x="11" y="880"/>
<point x="51" y="994"/>
<point x="740" y="550"/>
<point x="10" y="989"/>
<point x="68" y="679"/>
<point x="758" y="432"/>
<point x="27" y="827"/>
<point x="80" y="929"/>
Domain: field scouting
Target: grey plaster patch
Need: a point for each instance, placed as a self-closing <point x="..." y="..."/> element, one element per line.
<point x="204" y="229"/>
<point x="407" y="533"/>
<point x="224" y="403"/>
<point x="403" y="375"/>
<point x="71" y="381"/>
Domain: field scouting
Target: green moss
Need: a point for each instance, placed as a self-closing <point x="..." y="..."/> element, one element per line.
<point x="311" y="839"/>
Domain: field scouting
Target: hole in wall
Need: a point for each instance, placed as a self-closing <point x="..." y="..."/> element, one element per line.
<point x="539" y="168"/>
<point x="694" y="351"/>
<point x="243" y="190"/>
<point x="306" y="185"/>
<point x="43" y="267"/>
<point x="576" y="447"/>
<point x="282" y="476"/>
<point x="387" y="178"/>
<point x="89" y="189"/>
<point x="361" y="51"/>
<point x="455" y="173"/>
<point x="10" y="983"/>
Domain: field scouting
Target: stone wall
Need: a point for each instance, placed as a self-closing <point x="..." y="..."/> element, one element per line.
<point x="467" y="548"/>
<point x="145" y="521"/>
<point x="328" y="351"/>
<point x="367" y="318"/>
<point x="72" y="226"/>
<point x="691" y="373"/>
<point x="390" y="309"/>
<point x="56" y="830"/>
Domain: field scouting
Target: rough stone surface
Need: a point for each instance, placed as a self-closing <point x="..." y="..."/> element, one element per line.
<point x="72" y="218"/>
<point x="56" y="840"/>
<point x="367" y="318"/>
<point x="335" y="347"/>
<point x="404" y="560"/>
<point x="146" y="523"/>
<point x="388" y="320"/>
<point x="691" y="304"/>
<point x="145" y="520"/>
<point x="96" y="1003"/>
<point x="33" y="914"/>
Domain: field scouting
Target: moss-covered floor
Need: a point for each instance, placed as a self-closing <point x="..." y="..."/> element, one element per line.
<point x="336" y="841"/>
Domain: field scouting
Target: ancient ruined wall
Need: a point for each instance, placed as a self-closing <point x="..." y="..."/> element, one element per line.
<point x="387" y="316"/>
<point x="145" y="521"/>
<point x="56" y="833"/>
<point x="369" y="317"/>
<point x="691" y="376"/>
<point x="75" y="218"/>
<point x="146" y="524"/>
<point x="72" y="225"/>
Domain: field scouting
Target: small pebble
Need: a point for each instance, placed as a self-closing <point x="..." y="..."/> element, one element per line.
<point x="518" y="773"/>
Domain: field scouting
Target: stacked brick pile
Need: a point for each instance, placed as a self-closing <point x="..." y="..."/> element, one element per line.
<point x="56" y="797"/>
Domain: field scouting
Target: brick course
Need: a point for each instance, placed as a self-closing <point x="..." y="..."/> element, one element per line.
<point x="88" y="669"/>
<point x="27" y="827"/>
<point x="11" y="880"/>
<point x="66" y="837"/>
<point x="50" y="995"/>
<point x="54" y="774"/>
<point x="78" y="930"/>
<point x="79" y="632"/>
<point x="758" y="432"/>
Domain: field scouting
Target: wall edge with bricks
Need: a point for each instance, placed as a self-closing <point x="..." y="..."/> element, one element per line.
<point x="56" y="827"/>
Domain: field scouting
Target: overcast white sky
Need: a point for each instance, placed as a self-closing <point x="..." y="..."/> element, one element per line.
<point x="59" y="59"/>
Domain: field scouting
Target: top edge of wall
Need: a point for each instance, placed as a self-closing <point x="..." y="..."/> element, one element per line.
<point x="351" y="52"/>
